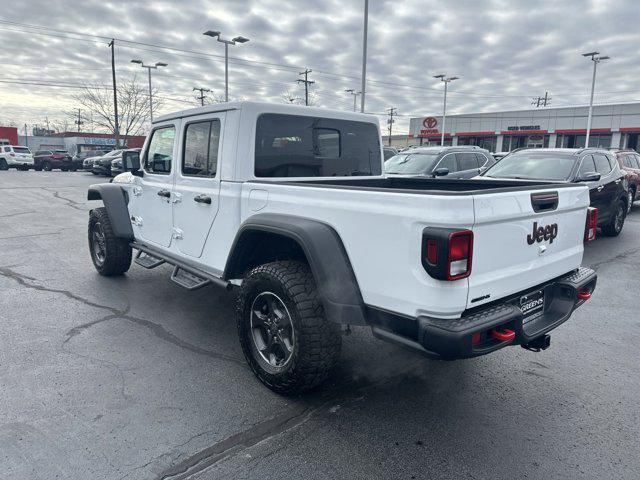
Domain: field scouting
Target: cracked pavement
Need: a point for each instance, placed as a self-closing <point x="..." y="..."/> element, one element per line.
<point x="136" y="378"/>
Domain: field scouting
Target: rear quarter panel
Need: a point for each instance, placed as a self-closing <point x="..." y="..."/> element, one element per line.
<point x="382" y="234"/>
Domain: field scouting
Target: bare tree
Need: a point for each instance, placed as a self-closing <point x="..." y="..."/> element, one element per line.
<point x="290" y="97"/>
<point x="64" y="124"/>
<point x="133" y="106"/>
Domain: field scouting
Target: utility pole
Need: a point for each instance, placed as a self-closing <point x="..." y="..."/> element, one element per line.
<point x="79" y="121"/>
<point x="355" y="96"/>
<point x="306" y="82"/>
<point x="392" y="113"/>
<point x="364" y="54"/>
<point x="202" y="94"/>
<point x="46" y="120"/>
<point x="541" y="101"/>
<point x="116" y="124"/>
<point x="26" y="136"/>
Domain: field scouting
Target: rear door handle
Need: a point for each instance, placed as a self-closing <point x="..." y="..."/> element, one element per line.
<point x="164" y="193"/>
<point x="617" y="181"/>
<point x="202" y="199"/>
<point x="600" y="188"/>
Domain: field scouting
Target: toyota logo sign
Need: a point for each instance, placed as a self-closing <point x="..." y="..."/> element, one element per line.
<point x="430" y="122"/>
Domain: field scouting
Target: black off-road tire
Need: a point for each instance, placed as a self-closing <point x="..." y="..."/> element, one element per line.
<point x="317" y="344"/>
<point x="116" y="258"/>
<point x="46" y="166"/>
<point x="3" y="164"/>
<point x="614" y="227"/>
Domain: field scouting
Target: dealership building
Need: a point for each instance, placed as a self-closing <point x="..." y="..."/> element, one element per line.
<point x="613" y="125"/>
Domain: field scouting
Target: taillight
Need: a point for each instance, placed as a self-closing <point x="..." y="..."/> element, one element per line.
<point x="432" y="251"/>
<point x="460" y="254"/>
<point x="591" y="224"/>
<point x="447" y="253"/>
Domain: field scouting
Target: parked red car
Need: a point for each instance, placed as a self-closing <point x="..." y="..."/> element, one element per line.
<point x="629" y="161"/>
<point x="47" y="160"/>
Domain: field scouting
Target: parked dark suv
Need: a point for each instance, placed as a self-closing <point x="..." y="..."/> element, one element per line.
<point x="47" y="160"/>
<point x="629" y="161"/>
<point x="599" y="169"/>
<point x="450" y="162"/>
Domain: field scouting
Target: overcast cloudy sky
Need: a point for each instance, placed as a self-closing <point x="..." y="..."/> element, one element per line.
<point x="504" y="51"/>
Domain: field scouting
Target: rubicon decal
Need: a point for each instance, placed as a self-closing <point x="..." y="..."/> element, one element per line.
<point x="549" y="232"/>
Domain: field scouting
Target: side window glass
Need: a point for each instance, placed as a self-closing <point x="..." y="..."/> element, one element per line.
<point x="467" y="161"/>
<point x="636" y="159"/>
<point x="448" y="161"/>
<point x="602" y="163"/>
<point x="481" y="159"/>
<point x="201" y="149"/>
<point x="587" y="166"/>
<point x="160" y="152"/>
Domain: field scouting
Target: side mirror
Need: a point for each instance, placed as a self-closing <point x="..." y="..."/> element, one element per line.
<point x="441" y="172"/>
<point x="131" y="162"/>
<point x="589" y="177"/>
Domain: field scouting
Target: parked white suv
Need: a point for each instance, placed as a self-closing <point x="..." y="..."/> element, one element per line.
<point x="289" y="207"/>
<point x="15" y="157"/>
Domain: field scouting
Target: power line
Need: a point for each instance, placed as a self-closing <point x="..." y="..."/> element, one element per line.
<point x="541" y="101"/>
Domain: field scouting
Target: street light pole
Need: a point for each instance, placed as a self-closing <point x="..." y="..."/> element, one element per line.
<point x="149" y="67"/>
<point x="595" y="58"/>
<point x="364" y="54"/>
<point x="239" y="39"/>
<point x="446" y="80"/>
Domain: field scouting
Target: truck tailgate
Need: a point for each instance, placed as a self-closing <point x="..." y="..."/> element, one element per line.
<point x="516" y="247"/>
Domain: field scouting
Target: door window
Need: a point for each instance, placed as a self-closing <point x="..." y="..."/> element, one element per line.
<point x="448" y="161"/>
<point x="587" y="166"/>
<point x="159" y="155"/>
<point x="602" y="163"/>
<point x="467" y="161"/>
<point x="201" y="144"/>
<point x="637" y="160"/>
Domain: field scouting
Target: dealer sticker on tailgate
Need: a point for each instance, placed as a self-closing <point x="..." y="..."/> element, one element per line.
<point x="532" y="304"/>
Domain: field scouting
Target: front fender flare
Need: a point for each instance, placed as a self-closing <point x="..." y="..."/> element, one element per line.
<point x="115" y="201"/>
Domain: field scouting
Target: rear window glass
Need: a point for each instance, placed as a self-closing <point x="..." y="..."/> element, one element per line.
<point x="21" y="150"/>
<point x="534" y="166"/>
<point x="301" y="146"/>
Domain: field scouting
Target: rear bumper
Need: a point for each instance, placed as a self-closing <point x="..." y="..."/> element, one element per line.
<point x="471" y="334"/>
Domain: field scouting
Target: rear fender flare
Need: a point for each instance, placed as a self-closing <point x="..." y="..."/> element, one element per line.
<point x="325" y="253"/>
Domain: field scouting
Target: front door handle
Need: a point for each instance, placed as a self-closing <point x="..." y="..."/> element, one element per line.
<point x="202" y="199"/>
<point x="164" y="193"/>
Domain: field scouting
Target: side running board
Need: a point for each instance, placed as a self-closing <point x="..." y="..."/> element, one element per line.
<point x="147" y="261"/>
<point x="187" y="279"/>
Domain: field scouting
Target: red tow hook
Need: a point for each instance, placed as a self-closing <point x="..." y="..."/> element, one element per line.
<point x="504" y="335"/>
<point x="584" y="294"/>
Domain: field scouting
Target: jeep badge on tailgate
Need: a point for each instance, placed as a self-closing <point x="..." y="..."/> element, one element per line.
<point x="542" y="233"/>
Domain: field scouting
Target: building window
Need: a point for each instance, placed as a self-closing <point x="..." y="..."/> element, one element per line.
<point x="572" y="140"/>
<point x="486" y="142"/>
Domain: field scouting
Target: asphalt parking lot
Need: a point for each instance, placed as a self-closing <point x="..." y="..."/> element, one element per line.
<point x="137" y="378"/>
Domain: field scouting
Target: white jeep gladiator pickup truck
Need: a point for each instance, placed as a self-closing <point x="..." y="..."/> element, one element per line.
<point x="289" y="206"/>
